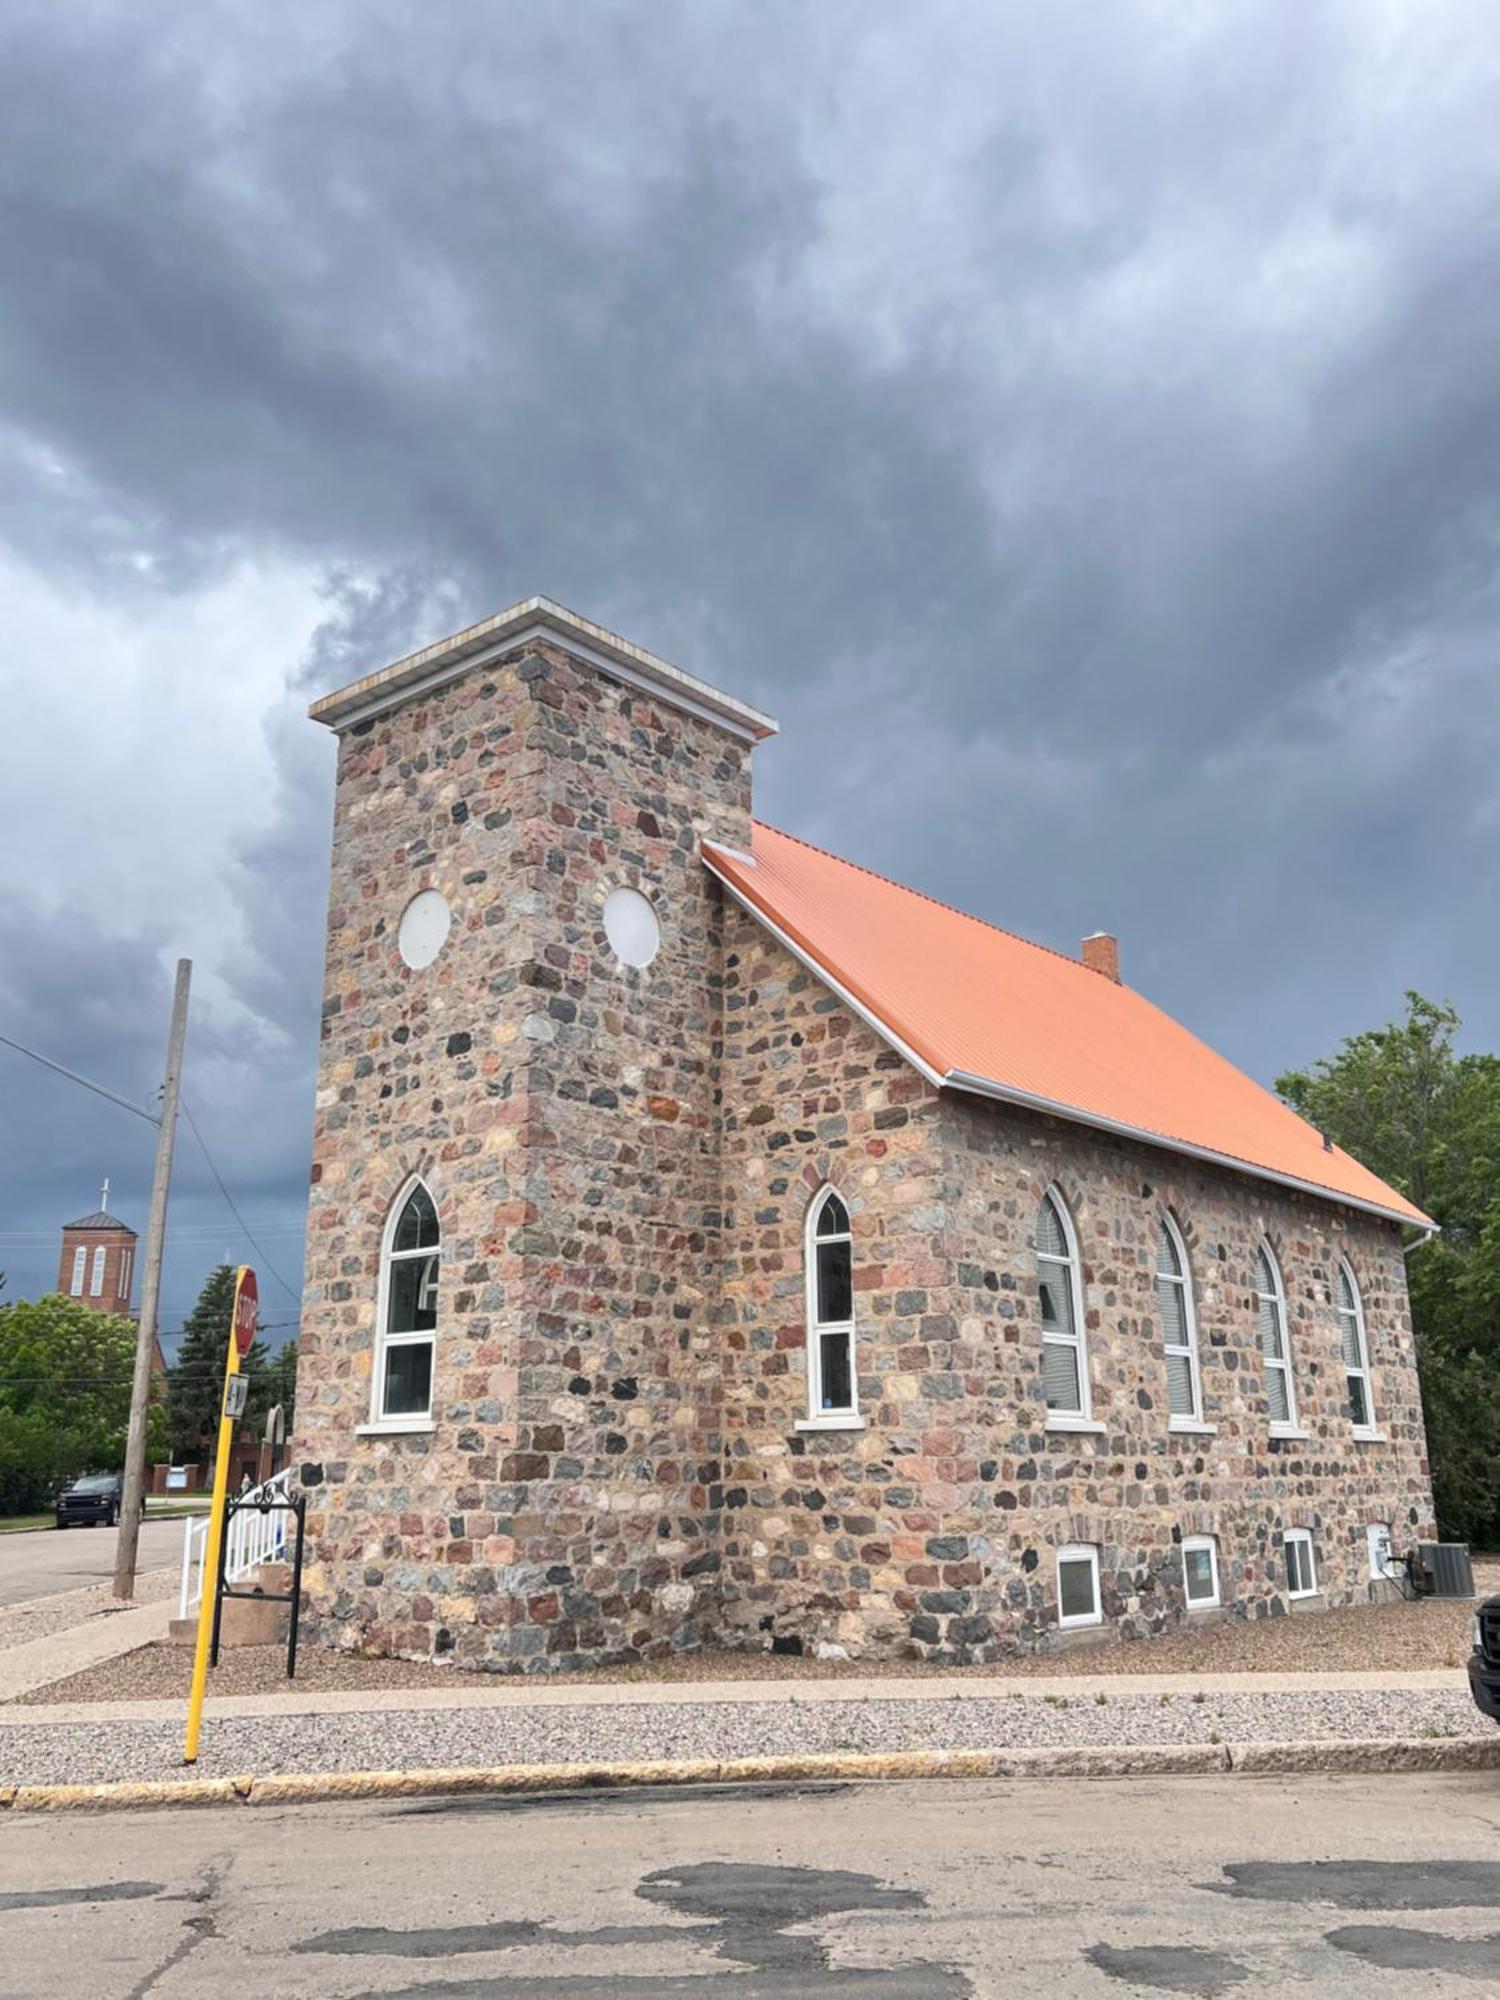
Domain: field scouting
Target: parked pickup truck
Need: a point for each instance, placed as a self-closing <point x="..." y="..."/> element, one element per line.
<point x="94" y="1498"/>
<point x="1484" y="1661"/>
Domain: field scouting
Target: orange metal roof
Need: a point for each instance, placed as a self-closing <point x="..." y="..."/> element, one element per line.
<point x="982" y="1010"/>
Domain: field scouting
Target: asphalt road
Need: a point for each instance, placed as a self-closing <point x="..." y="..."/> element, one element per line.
<point x="915" y="1892"/>
<point x="38" y="1563"/>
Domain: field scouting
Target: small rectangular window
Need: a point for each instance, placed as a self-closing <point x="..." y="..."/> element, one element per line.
<point x="1301" y="1572"/>
<point x="835" y="1282"/>
<point x="80" y="1262"/>
<point x="96" y="1278"/>
<point x="1200" y="1572"/>
<point x="1078" y="1587"/>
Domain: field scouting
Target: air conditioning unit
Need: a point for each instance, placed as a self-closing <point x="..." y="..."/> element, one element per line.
<point x="1443" y="1569"/>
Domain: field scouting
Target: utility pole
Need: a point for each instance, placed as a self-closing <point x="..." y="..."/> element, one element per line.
<point x="131" y="1500"/>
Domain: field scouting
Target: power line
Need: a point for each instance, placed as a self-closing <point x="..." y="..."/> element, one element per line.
<point x="72" y="1075"/>
<point x="295" y="1297"/>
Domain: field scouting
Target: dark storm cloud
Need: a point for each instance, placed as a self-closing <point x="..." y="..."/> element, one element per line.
<point x="1081" y="431"/>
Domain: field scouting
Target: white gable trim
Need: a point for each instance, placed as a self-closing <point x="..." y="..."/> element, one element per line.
<point x="983" y="1086"/>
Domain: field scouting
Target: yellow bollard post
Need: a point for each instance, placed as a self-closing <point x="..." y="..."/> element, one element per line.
<point x="241" y="1333"/>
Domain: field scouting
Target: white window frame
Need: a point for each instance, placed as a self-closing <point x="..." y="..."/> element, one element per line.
<point x="1380" y="1534"/>
<point x="1195" y="1544"/>
<point x="96" y="1274"/>
<point x="1302" y="1536"/>
<point x="127" y="1272"/>
<point x="1079" y="1552"/>
<point x="1288" y="1427"/>
<point x="414" y="1420"/>
<point x="817" y="1418"/>
<point x="1355" y="1312"/>
<point x="1081" y="1419"/>
<point x="1190" y="1421"/>
<point x="80" y="1271"/>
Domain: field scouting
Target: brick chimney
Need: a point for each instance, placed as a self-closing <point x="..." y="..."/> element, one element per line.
<point x="1101" y="953"/>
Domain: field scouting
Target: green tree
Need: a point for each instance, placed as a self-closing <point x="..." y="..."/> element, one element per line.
<point x="195" y="1381"/>
<point x="1427" y="1120"/>
<point x="65" y="1375"/>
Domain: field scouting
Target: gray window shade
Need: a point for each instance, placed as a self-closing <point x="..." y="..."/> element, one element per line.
<point x="1168" y="1263"/>
<point x="1051" y="1239"/>
<point x="1270" y="1328"/>
<point x="1198" y="1574"/>
<point x="1055" y="1293"/>
<point x="1353" y="1356"/>
<point x="1180" y="1399"/>
<point x="1281" y="1409"/>
<point x="1060" y="1375"/>
<point x="1173" y="1302"/>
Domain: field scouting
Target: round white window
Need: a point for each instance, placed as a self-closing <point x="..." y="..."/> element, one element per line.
<point x="631" y="927"/>
<point x="424" y="928"/>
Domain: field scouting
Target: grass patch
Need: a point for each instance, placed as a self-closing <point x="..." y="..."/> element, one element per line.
<point x="20" y="1524"/>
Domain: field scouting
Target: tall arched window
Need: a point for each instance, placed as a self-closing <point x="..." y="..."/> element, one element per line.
<point x="1065" y="1375"/>
<point x="1179" y="1327"/>
<point x="832" y="1384"/>
<point x="1274" y="1347"/>
<point x="1356" y="1351"/>
<point x="408" y="1310"/>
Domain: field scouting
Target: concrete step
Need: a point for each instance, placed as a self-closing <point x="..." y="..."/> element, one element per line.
<point x="246" y="1622"/>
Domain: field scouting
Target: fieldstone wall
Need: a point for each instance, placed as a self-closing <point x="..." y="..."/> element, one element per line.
<point x="562" y="1109"/>
<point x="934" y="1531"/>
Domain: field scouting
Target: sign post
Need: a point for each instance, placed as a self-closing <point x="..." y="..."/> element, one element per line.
<point x="241" y="1334"/>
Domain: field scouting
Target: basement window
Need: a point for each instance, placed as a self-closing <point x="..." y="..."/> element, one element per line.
<point x="1301" y="1571"/>
<point x="1200" y="1572"/>
<point x="1078" y="1586"/>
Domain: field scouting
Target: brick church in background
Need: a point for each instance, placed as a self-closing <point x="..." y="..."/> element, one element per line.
<point x="96" y="1266"/>
<point x="97" y="1261"/>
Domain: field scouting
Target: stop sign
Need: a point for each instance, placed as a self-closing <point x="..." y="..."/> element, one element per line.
<point x="246" y="1301"/>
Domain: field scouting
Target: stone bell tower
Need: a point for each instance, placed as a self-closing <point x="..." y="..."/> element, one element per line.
<point x="521" y="1017"/>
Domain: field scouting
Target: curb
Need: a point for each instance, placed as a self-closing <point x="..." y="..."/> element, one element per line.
<point x="1357" y="1757"/>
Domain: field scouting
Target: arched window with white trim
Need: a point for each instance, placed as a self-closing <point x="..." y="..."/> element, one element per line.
<point x="1356" y="1350"/>
<point x="1275" y="1349"/>
<point x="409" y="1264"/>
<point x="832" y="1380"/>
<point x="1179" y="1326"/>
<point x="1065" y="1374"/>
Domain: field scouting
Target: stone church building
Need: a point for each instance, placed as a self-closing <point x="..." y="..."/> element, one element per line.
<point x="713" y="1243"/>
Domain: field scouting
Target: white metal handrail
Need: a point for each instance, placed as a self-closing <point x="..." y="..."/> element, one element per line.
<point x="253" y="1538"/>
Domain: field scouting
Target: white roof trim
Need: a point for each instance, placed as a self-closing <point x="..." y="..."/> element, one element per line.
<point x="538" y="618"/>
<point x="983" y="1086"/>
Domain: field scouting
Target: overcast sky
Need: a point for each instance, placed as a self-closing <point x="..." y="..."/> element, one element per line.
<point x="1080" y="425"/>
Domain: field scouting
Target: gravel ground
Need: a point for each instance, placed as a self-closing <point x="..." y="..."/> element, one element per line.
<point x="81" y="1753"/>
<point x="40" y="1617"/>
<point x="1372" y="1638"/>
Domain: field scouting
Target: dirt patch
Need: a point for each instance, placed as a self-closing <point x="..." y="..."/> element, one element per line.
<point x="1370" y="1639"/>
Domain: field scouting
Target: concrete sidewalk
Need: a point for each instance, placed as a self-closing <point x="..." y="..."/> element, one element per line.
<point x="495" y="1693"/>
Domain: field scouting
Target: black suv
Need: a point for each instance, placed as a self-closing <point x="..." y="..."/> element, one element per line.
<point x="1484" y="1661"/>
<point x="90" y="1500"/>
